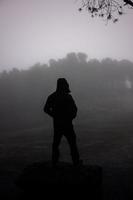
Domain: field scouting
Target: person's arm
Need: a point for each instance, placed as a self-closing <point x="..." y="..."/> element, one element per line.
<point x="48" y="107"/>
<point x="74" y="108"/>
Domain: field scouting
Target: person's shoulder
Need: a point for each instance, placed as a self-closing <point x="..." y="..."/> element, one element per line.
<point x="52" y="95"/>
<point x="69" y="95"/>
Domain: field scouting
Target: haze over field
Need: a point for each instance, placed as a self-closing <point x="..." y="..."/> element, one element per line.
<point x="103" y="92"/>
<point x="40" y="41"/>
<point x="101" y="89"/>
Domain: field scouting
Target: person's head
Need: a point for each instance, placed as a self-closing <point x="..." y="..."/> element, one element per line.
<point x="62" y="86"/>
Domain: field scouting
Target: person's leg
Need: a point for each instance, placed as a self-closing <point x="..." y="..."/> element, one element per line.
<point x="55" y="147"/>
<point x="71" y="138"/>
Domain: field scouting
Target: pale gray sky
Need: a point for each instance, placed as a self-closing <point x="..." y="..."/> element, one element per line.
<point x="36" y="30"/>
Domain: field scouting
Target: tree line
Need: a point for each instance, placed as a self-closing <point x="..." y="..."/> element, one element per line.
<point x="95" y="84"/>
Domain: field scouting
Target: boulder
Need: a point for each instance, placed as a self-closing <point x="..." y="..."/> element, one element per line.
<point x="44" y="179"/>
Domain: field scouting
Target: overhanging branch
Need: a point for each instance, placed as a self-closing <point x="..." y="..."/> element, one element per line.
<point x="106" y="9"/>
<point x="129" y="2"/>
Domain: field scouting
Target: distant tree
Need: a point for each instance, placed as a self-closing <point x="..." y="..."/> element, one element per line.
<point x="52" y="62"/>
<point x="82" y="57"/>
<point x="107" y="9"/>
<point x="35" y="66"/>
<point x="72" y="57"/>
<point x="3" y="74"/>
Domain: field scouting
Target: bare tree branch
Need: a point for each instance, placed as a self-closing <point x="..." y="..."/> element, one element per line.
<point x="108" y="9"/>
<point x="129" y="2"/>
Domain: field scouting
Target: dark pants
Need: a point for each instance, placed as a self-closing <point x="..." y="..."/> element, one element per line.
<point x="66" y="130"/>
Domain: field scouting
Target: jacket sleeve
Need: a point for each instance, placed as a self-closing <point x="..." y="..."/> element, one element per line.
<point x="74" y="108"/>
<point x="48" y="107"/>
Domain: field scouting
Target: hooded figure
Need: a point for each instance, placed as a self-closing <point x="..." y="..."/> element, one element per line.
<point x="62" y="108"/>
<point x="62" y="86"/>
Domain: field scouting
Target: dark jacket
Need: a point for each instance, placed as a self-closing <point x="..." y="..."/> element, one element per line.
<point x="61" y="106"/>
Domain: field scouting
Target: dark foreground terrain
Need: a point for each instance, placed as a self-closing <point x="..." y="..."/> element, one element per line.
<point x="103" y="92"/>
<point x="107" y="145"/>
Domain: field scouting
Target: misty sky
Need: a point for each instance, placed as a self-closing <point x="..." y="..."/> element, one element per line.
<point x="34" y="31"/>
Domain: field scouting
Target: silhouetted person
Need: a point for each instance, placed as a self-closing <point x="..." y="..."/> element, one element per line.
<point x="62" y="108"/>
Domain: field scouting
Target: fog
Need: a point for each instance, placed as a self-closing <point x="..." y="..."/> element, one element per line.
<point x="35" y="31"/>
<point x="103" y="92"/>
<point x="101" y="89"/>
<point x="40" y="41"/>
